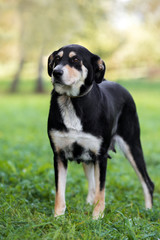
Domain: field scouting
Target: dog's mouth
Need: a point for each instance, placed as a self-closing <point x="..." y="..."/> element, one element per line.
<point x="58" y="81"/>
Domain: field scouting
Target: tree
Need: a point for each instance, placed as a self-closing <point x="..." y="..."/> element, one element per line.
<point x="42" y="21"/>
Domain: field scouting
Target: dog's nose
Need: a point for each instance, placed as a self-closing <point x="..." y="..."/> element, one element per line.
<point x="57" y="73"/>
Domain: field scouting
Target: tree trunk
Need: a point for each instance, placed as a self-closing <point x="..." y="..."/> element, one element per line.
<point x="16" y="79"/>
<point x="39" y="82"/>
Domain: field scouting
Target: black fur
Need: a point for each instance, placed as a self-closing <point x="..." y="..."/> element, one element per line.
<point x="105" y="110"/>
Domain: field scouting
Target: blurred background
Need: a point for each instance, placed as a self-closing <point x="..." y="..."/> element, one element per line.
<point x="125" y="33"/>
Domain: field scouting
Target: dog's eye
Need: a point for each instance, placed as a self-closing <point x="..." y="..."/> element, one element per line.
<point x="75" y="60"/>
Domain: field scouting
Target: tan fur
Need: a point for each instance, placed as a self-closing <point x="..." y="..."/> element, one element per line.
<point x="50" y="60"/>
<point x="72" y="54"/>
<point x="60" y="204"/>
<point x="51" y="57"/>
<point x="72" y="71"/>
<point x="100" y="64"/>
<point x="99" y="204"/>
<point x="99" y="200"/>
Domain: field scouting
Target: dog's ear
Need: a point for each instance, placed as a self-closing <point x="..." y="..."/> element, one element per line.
<point x="50" y="63"/>
<point x="98" y="68"/>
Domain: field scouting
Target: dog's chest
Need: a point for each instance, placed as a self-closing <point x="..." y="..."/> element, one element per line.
<point x="75" y="143"/>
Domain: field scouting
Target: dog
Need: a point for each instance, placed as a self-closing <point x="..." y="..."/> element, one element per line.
<point x="87" y="116"/>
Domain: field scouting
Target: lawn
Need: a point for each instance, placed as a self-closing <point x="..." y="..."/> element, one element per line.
<point x="27" y="189"/>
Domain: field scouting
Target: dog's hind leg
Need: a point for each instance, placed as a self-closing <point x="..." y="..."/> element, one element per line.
<point x="128" y="138"/>
<point x="89" y="172"/>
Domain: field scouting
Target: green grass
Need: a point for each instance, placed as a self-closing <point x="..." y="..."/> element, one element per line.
<point x="27" y="190"/>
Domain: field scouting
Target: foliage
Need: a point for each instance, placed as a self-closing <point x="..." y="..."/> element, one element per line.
<point x="27" y="177"/>
<point x="126" y="33"/>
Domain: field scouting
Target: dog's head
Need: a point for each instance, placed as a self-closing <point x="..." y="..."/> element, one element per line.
<point x="74" y="69"/>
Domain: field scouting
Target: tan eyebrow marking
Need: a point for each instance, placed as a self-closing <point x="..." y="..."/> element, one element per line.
<point x="71" y="54"/>
<point x="60" y="54"/>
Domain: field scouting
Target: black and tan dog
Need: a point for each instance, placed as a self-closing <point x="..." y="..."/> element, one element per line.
<point x="88" y="115"/>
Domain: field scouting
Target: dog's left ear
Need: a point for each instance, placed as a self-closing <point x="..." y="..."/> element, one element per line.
<point x="50" y="63"/>
<point x="98" y="68"/>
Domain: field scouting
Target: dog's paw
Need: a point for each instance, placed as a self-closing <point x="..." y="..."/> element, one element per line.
<point x="97" y="215"/>
<point x="90" y="197"/>
<point x="59" y="212"/>
<point x="98" y="211"/>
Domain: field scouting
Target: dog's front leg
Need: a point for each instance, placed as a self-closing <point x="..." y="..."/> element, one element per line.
<point x="100" y="175"/>
<point x="89" y="172"/>
<point x="60" y="167"/>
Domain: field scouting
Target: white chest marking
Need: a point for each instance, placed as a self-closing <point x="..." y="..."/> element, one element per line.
<point x="65" y="140"/>
<point x="69" y="116"/>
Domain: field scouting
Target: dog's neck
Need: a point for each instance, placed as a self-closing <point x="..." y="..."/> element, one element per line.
<point x="83" y="94"/>
<point x="75" y="96"/>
